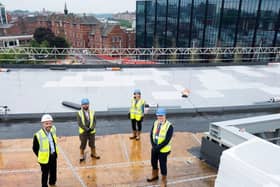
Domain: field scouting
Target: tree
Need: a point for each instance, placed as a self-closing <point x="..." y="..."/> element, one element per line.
<point x="125" y="23"/>
<point x="34" y="43"/>
<point x="59" y="42"/>
<point x="45" y="38"/>
<point x="43" y="34"/>
<point x="45" y="44"/>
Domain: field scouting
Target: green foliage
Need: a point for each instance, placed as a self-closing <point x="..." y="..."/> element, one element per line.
<point x="125" y="23"/>
<point x="45" y="44"/>
<point x="34" y="43"/>
<point x="45" y="38"/>
<point x="43" y="34"/>
<point x="59" y="42"/>
<point x="14" y="58"/>
<point x="7" y="58"/>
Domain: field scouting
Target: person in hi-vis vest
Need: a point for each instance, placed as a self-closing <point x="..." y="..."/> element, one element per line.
<point x="87" y="123"/>
<point x="45" y="148"/>
<point x="136" y="114"/>
<point x="160" y="137"/>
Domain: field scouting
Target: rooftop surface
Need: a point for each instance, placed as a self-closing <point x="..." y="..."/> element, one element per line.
<point x="123" y="163"/>
<point x="43" y="90"/>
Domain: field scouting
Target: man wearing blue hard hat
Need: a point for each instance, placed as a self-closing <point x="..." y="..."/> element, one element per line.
<point x="160" y="137"/>
<point x="136" y="114"/>
<point x="87" y="123"/>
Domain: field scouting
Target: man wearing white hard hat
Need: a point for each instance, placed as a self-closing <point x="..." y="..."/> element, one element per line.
<point x="136" y="114"/>
<point x="45" y="148"/>
<point x="87" y="122"/>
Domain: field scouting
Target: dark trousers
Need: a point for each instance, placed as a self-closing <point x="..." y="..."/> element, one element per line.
<point x="162" y="158"/>
<point x="136" y="125"/>
<point x="87" y="137"/>
<point x="49" y="168"/>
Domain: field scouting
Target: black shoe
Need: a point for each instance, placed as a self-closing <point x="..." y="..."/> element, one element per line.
<point x="96" y="157"/>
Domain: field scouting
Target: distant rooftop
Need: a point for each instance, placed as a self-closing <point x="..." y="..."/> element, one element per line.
<point x="16" y="37"/>
<point x="107" y="28"/>
<point x="5" y="26"/>
<point x="72" y="18"/>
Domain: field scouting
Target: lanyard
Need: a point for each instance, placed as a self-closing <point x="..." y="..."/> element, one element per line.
<point x="157" y="133"/>
<point x="158" y="129"/>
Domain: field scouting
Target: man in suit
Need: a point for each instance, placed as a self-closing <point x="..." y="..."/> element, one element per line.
<point x="45" y="148"/>
<point x="160" y="137"/>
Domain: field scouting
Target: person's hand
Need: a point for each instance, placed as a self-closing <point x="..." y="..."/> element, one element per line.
<point x="155" y="149"/>
<point x="86" y="129"/>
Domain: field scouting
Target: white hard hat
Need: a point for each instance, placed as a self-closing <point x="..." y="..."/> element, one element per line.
<point x="46" y="117"/>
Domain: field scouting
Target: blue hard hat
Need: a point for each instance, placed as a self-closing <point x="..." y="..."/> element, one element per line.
<point x="84" y="101"/>
<point x="161" y="112"/>
<point x="137" y="91"/>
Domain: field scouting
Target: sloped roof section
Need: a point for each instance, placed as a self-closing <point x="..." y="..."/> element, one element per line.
<point x="71" y="18"/>
<point x="107" y="28"/>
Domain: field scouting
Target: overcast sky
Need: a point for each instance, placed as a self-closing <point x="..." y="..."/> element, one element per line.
<point x="75" y="6"/>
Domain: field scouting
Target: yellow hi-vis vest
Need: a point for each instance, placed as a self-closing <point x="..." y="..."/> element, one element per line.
<point x="136" y="109"/>
<point x="162" y="135"/>
<point x="44" y="146"/>
<point x="91" y="118"/>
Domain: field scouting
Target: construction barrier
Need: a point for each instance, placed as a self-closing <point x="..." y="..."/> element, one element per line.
<point x="125" y="60"/>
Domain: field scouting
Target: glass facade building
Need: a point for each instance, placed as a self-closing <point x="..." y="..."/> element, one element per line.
<point x="207" y="23"/>
<point x="3" y="15"/>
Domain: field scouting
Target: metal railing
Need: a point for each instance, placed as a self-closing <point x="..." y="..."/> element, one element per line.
<point x="138" y="55"/>
<point x="234" y="132"/>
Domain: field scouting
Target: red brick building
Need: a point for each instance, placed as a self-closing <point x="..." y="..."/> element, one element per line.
<point x="88" y="32"/>
<point x="113" y="36"/>
<point x="19" y="26"/>
<point x="18" y="31"/>
<point x="130" y="38"/>
<point x="76" y="30"/>
<point x="79" y="31"/>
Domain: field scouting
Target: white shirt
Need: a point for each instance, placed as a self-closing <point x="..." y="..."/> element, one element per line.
<point x="87" y="115"/>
